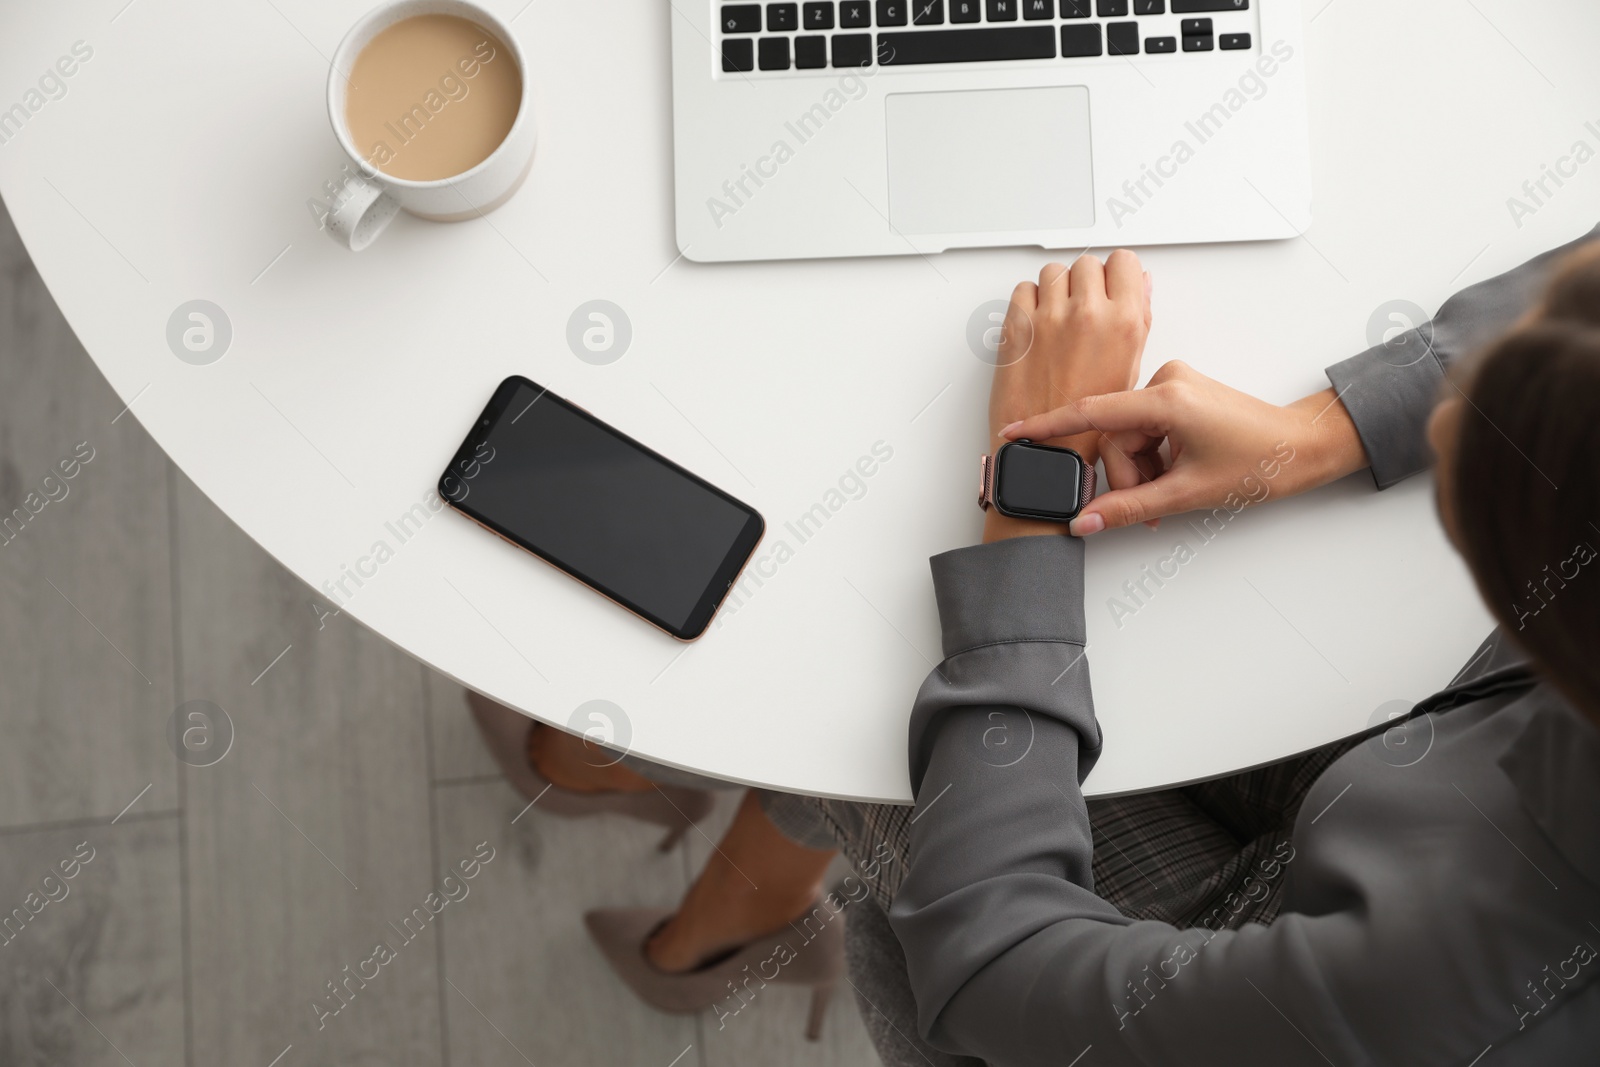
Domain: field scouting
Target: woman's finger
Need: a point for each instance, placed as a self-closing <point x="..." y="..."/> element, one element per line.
<point x="1120" y="454"/>
<point x="1053" y="288"/>
<point x="1145" y="502"/>
<point x="1147" y="410"/>
<point x="1174" y="370"/>
<point x="1125" y="279"/>
<point x="1130" y="457"/>
<point x="1025" y="297"/>
<point x="1088" y="279"/>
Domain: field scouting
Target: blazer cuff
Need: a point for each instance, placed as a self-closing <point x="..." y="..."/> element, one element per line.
<point x="1389" y="391"/>
<point x="1012" y="615"/>
<point x="1019" y="590"/>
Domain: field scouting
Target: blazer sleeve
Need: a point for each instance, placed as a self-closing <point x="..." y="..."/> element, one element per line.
<point x="1391" y="388"/>
<point x="1011" y="956"/>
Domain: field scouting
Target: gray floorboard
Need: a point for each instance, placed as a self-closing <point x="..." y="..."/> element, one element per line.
<point x="458" y="752"/>
<point x="93" y="973"/>
<point x="86" y="628"/>
<point x="312" y="835"/>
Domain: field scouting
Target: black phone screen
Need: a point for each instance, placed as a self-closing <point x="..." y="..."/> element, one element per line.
<point x="601" y="506"/>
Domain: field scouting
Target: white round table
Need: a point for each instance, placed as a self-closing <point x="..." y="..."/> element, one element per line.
<point x="178" y="164"/>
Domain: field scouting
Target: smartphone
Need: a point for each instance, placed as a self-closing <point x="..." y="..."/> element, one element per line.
<point x="591" y="501"/>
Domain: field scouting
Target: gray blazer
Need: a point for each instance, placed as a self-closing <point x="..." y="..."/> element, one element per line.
<point x="1442" y="912"/>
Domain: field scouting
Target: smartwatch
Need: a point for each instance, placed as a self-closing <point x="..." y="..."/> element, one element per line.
<point x="1024" y="480"/>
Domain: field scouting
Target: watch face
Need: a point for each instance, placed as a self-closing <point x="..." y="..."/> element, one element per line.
<point x="1038" y="481"/>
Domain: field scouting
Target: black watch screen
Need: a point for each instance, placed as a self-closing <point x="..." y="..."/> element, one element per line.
<point x="1034" y="481"/>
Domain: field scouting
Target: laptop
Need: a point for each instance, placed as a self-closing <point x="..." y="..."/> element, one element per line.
<point x="896" y="127"/>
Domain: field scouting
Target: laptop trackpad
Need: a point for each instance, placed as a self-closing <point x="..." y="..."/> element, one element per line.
<point x="991" y="159"/>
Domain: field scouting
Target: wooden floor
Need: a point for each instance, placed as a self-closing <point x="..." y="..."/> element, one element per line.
<point x="210" y="908"/>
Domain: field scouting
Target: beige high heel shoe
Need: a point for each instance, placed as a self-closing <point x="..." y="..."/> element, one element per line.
<point x="807" y="952"/>
<point x="507" y="732"/>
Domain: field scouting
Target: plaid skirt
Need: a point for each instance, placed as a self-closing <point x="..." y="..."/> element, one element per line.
<point x="1208" y="855"/>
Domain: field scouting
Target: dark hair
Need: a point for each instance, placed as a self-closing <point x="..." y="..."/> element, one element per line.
<point x="1525" y="481"/>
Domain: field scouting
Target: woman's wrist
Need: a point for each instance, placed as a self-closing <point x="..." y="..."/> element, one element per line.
<point x="998" y="527"/>
<point x="1334" y="447"/>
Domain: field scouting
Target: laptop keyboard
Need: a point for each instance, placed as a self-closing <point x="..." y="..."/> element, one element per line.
<point x="819" y="34"/>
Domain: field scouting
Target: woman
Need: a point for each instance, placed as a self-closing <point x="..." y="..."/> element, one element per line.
<point x="1444" y="912"/>
<point x="1342" y="907"/>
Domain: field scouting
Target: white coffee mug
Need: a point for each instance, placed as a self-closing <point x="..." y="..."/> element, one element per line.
<point x="367" y="199"/>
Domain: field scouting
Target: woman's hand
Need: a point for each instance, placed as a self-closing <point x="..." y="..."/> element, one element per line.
<point x="1076" y="333"/>
<point x="1225" y="448"/>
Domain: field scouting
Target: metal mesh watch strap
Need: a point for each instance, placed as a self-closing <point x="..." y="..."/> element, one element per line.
<point x="1090" y="484"/>
<point x="985" y="482"/>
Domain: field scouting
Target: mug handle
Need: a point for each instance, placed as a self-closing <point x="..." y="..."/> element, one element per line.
<point x="361" y="213"/>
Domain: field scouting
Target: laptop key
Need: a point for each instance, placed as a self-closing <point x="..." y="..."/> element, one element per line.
<point x="967" y="46"/>
<point x="927" y="12"/>
<point x="1074" y="9"/>
<point x="966" y="10"/>
<point x="810" y="52"/>
<point x="1232" y="42"/>
<point x="1122" y="38"/>
<point x="892" y="12"/>
<point x="738" y="55"/>
<point x="773" y="53"/>
<point x="1038" y="9"/>
<point x="1003" y="10"/>
<point x="1189" y="7"/>
<point x="1080" y="40"/>
<point x="1111" y="9"/>
<point x="854" y="13"/>
<point x="741" y="18"/>
<point x="1196" y="27"/>
<point x="1149" y="7"/>
<point x="1198" y="44"/>
<point x="1154" y="45"/>
<point x="852" y="49"/>
<point x="783" y="17"/>
<point x="818" y="16"/>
